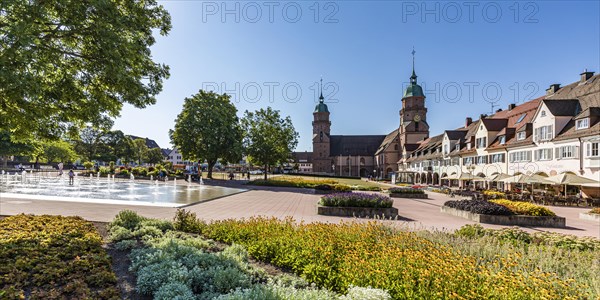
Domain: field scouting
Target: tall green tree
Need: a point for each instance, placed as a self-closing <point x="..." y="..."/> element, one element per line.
<point x="67" y="63"/>
<point x="89" y="143"/>
<point x="269" y="139"/>
<point x="154" y="156"/>
<point x="10" y="147"/>
<point x="120" y="145"/>
<point x="140" y="150"/>
<point x="59" y="151"/>
<point x="208" y="129"/>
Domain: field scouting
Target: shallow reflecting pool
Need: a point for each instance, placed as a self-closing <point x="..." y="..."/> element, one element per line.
<point x="103" y="190"/>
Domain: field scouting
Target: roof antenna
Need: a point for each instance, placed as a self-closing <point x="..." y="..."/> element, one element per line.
<point x="493" y="105"/>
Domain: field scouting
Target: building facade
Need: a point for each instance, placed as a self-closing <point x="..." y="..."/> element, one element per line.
<point x="553" y="134"/>
<point x="368" y="155"/>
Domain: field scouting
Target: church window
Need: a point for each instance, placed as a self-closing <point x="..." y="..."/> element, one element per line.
<point x="416" y="126"/>
<point x="395" y="147"/>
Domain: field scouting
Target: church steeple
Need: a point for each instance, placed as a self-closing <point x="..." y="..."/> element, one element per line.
<point x="321" y="98"/>
<point x="413" y="89"/>
<point x="321" y="106"/>
<point x="413" y="78"/>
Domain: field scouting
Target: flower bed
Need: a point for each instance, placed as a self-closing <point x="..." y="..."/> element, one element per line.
<point x="169" y="264"/>
<point x="357" y="205"/>
<point x="493" y="213"/>
<point x="407" y="193"/>
<point x="320" y="185"/>
<point x="479" y="207"/>
<point x="404" y="263"/>
<point x="544" y="238"/>
<point x="524" y="208"/>
<point x="356" y="200"/>
<point x="53" y="257"/>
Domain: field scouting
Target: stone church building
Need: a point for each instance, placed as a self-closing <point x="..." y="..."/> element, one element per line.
<point x="375" y="155"/>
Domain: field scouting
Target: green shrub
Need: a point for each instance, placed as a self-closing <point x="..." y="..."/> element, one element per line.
<point x="88" y="165"/>
<point x="187" y="221"/>
<point x="124" y="172"/>
<point x="342" y="188"/>
<point x="405" y="191"/>
<point x="366" y="188"/>
<point x="104" y="171"/>
<point x="595" y="210"/>
<point x="128" y="219"/>
<point x="174" y="291"/>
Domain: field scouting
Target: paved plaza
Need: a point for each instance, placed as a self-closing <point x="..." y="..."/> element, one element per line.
<point x="283" y="202"/>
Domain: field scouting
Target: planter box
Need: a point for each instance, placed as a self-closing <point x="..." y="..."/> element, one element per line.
<point x="416" y="196"/>
<point x="360" y="212"/>
<point x="590" y="217"/>
<point x="514" y="220"/>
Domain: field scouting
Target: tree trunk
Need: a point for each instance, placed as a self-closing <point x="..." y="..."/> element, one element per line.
<point x="211" y="164"/>
<point x="266" y="170"/>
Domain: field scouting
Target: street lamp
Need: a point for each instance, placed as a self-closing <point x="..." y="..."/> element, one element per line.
<point x="471" y="168"/>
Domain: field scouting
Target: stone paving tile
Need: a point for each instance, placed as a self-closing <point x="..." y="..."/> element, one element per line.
<point x="284" y="202"/>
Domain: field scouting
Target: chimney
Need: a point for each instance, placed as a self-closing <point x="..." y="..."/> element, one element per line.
<point x="553" y="89"/>
<point x="499" y="110"/>
<point x="586" y="75"/>
<point x="511" y="106"/>
<point x="482" y="116"/>
<point x="468" y="122"/>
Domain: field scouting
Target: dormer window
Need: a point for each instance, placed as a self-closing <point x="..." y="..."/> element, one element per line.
<point x="502" y="140"/>
<point x="457" y="147"/>
<point x="583" y="123"/>
<point x="543" y="113"/>
<point x="544" y="133"/>
<point x="481" y="142"/>
<point x="521" y="136"/>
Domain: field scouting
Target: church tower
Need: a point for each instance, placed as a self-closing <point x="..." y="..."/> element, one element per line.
<point x="413" y="115"/>
<point x="321" y="139"/>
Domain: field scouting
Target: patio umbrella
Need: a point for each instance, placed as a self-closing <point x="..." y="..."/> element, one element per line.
<point x="467" y="176"/>
<point x="526" y="179"/>
<point x="572" y="179"/>
<point x="497" y="177"/>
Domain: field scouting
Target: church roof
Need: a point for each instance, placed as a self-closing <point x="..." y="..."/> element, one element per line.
<point x="413" y="90"/>
<point x="321" y="107"/>
<point x="355" y="145"/>
<point x="387" y="141"/>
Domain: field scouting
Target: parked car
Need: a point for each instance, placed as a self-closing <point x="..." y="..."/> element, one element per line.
<point x="256" y="172"/>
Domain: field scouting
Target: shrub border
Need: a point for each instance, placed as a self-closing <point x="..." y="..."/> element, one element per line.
<point x="409" y="195"/>
<point x="514" y="220"/>
<point x="361" y="212"/>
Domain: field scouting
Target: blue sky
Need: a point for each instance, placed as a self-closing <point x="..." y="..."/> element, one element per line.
<point x="468" y="55"/>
